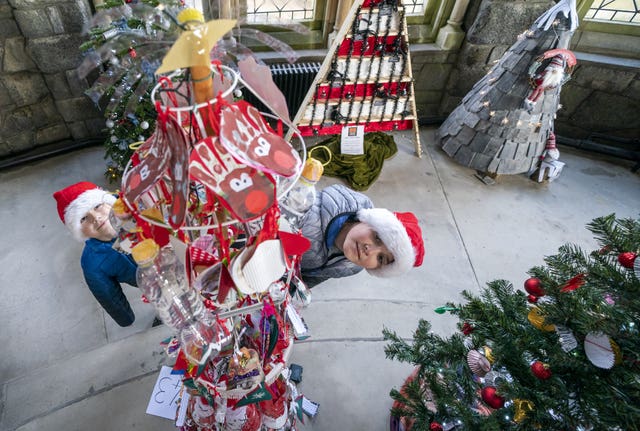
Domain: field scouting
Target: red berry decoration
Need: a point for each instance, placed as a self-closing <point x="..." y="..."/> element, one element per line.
<point x="540" y="370"/>
<point x="534" y="286"/>
<point x="467" y="328"/>
<point x="626" y="259"/>
<point x="435" y="426"/>
<point x="490" y="397"/>
<point x="532" y="299"/>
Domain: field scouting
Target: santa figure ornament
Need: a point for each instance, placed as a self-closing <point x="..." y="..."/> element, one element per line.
<point x="556" y="72"/>
<point x="550" y="167"/>
<point x="550" y="152"/>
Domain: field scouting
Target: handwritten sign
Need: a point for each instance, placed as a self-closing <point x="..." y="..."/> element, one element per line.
<point x="166" y="394"/>
<point x="352" y="140"/>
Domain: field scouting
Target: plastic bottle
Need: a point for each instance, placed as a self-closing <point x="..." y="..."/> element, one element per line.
<point x="161" y="277"/>
<point x="302" y="195"/>
<point x="121" y="218"/>
<point x="162" y="280"/>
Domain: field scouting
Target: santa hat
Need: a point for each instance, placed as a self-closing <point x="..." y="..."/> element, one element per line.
<point x="401" y="234"/>
<point x="75" y="201"/>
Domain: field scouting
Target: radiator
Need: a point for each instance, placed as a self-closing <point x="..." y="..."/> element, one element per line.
<point x="294" y="80"/>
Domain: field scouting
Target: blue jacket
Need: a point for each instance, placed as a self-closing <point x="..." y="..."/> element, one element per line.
<point x="104" y="269"/>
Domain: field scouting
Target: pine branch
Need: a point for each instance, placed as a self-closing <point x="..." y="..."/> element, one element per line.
<point x="585" y="294"/>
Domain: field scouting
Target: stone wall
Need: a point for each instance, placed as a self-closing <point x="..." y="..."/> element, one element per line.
<point x="41" y="98"/>
<point x="601" y="98"/>
<point x="603" y="95"/>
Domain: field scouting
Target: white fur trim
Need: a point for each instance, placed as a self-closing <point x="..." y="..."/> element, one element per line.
<point x="394" y="235"/>
<point x="80" y="206"/>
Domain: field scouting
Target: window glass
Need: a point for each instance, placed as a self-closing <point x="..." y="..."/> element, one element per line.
<point x="622" y="11"/>
<point x="261" y="11"/>
<point x="413" y="7"/>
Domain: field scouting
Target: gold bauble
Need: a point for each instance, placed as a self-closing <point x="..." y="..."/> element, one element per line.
<point x="488" y="354"/>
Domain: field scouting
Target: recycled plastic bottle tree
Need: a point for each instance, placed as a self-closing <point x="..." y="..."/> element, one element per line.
<point x="564" y="357"/>
<point x="199" y="209"/>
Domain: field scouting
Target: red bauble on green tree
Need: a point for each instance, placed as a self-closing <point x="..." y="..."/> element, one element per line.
<point x="491" y="398"/>
<point x="533" y="286"/>
<point x="627" y="258"/>
<point x="541" y="370"/>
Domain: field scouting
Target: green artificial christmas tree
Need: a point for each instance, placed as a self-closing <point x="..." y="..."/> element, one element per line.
<point x="563" y="356"/>
<point x="127" y="42"/>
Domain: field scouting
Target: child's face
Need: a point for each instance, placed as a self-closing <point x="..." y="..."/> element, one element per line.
<point x="96" y="224"/>
<point x="363" y="247"/>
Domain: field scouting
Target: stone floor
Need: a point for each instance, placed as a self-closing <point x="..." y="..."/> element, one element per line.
<point x="66" y="366"/>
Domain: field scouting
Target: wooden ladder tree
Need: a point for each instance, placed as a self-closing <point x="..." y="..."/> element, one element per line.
<point x="366" y="78"/>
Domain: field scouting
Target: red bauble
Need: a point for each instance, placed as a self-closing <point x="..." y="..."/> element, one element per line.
<point x="435" y="426"/>
<point x="626" y="259"/>
<point x="490" y="397"/>
<point x="532" y="299"/>
<point x="540" y="370"/>
<point x="534" y="287"/>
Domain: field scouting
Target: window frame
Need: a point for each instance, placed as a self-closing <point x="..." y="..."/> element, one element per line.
<point x="608" y="38"/>
<point x="425" y="28"/>
<point x="421" y="29"/>
<point x="314" y="40"/>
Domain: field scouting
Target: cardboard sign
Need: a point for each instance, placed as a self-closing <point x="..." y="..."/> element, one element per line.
<point x="166" y="394"/>
<point x="352" y="140"/>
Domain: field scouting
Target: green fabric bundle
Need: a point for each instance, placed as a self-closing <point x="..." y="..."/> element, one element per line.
<point x="359" y="171"/>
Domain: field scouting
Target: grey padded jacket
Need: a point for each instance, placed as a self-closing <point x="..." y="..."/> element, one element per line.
<point x="320" y="263"/>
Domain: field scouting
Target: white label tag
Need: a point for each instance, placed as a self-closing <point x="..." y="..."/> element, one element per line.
<point x="352" y="140"/>
<point x="166" y="392"/>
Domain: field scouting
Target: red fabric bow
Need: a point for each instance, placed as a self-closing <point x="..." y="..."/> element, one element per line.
<point x="574" y="283"/>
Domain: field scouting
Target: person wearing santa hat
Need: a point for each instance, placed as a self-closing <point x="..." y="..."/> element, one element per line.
<point x="348" y="235"/>
<point x="84" y="209"/>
